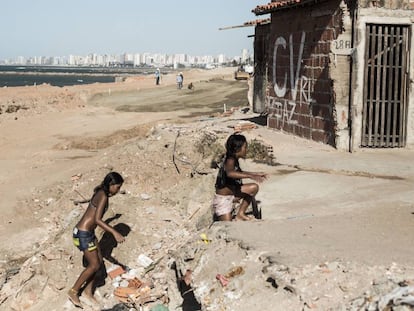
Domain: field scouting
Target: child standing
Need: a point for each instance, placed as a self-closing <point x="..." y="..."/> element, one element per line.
<point x="229" y="184"/>
<point x="84" y="236"/>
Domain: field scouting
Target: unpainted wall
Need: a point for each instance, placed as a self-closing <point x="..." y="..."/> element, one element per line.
<point x="341" y="54"/>
<point x="386" y="4"/>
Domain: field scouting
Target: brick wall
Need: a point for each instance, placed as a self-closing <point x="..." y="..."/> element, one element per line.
<point x="300" y="94"/>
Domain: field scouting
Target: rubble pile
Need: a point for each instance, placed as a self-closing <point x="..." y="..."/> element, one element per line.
<point x="157" y="209"/>
<point x="174" y="256"/>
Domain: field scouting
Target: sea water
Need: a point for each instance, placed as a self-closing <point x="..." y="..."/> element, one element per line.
<point x="61" y="76"/>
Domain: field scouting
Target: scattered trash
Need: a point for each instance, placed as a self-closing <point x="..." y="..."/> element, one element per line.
<point x="399" y="296"/>
<point x="204" y="238"/>
<point x="151" y="266"/>
<point x="222" y="279"/>
<point x="138" y="297"/>
<point x="115" y="271"/>
<point x="159" y="308"/>
<point x="145" y="196"/>
<point x="134" y="283"/>
<point x="144" y="260"/>
<point x="157" y="246"/>
<point x="244" y="126"/>
<point x="238" y="270"/>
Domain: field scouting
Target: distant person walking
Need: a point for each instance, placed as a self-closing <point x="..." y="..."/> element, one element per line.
<point x="157" y="76"/>
<point x="179" y="80"/>
<point x="182" y="79"/>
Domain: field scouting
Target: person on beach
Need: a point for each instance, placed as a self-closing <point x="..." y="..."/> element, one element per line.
<point x="229" y="186"/>
<point x="157" y="76"/>
<point x="84" y="237"/>
<point x="182" y="79"/>
<point x="179" y="80"/>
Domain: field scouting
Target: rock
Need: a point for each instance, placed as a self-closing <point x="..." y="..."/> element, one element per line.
<point x="145" y="196"/>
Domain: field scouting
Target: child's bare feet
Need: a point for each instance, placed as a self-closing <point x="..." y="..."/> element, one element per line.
<point x="243" y="217"/>
<point x="74" y="298"/>
<point x="90" y="297"/>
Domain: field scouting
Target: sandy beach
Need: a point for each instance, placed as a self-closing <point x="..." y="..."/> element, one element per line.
<point x="336" y="232"/>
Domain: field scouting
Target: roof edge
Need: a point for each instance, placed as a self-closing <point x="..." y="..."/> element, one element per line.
<point x="281" y="5"/>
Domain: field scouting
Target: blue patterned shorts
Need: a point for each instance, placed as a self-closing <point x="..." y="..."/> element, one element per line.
<point x="84" y="240"/>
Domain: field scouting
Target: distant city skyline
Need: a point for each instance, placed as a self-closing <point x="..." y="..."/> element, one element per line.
<point x="44" y="28"/>
<point x="128" y="59"/>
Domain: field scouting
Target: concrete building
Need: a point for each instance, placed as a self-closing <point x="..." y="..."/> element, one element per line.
<point x="337" y="71"/>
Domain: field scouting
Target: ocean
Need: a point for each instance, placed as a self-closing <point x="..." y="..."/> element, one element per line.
<point x="63" y="76"/>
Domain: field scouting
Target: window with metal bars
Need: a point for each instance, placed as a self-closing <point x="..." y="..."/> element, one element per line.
<point x="385" y="86"/>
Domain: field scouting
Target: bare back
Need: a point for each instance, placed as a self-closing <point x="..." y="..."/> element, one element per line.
<point x="96" y="209"/>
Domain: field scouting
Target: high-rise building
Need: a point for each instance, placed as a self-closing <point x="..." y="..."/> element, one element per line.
<point x="245" y="56"/>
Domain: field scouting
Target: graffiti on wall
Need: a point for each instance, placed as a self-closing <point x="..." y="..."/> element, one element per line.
<point x="283" y="107"/>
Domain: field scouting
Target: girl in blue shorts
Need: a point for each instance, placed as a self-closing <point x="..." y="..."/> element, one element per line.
<point x="84" y="236"/>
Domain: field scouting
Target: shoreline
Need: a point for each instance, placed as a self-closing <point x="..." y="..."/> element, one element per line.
<point x="47" y="98"/>
<point x="83" y="75"/>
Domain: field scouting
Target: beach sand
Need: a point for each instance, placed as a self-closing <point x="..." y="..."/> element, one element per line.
<point x="327" y="241"/>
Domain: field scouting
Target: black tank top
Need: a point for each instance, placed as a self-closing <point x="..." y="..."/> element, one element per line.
<point x="223" y="180"/>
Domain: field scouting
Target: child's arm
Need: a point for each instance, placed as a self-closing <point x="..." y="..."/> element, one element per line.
<point x="102" y="201"/>
<point x="232" y="173"/>
<point x="257" y="176"/>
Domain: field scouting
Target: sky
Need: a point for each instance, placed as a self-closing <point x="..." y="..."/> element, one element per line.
<point x="79" y="27"/>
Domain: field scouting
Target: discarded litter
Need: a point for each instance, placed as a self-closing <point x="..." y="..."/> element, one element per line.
<point x="159" y="308"/>
<point x="145" y="196"/>
<point x="222" y="279"/>
<point x="115" y="271"/>
<point x="144" y="260"/>
<point x="152" y="266"/>
<point x="204" y="238"/>
<point x="244" y="126"/>
<point x="234" y="272"/>
<point x="399" y="296"/>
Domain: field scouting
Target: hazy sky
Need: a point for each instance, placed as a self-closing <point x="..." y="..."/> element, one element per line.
<point x="80" y="27"/>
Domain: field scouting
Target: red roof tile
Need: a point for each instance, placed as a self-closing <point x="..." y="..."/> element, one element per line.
<point x="277" y="5"/>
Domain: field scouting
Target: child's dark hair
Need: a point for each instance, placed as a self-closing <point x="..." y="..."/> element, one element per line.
<point x="113" y="178"/>
<point x="234" y="144"/>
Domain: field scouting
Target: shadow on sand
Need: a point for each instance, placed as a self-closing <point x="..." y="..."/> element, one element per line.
<point x="106" y="246"/>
